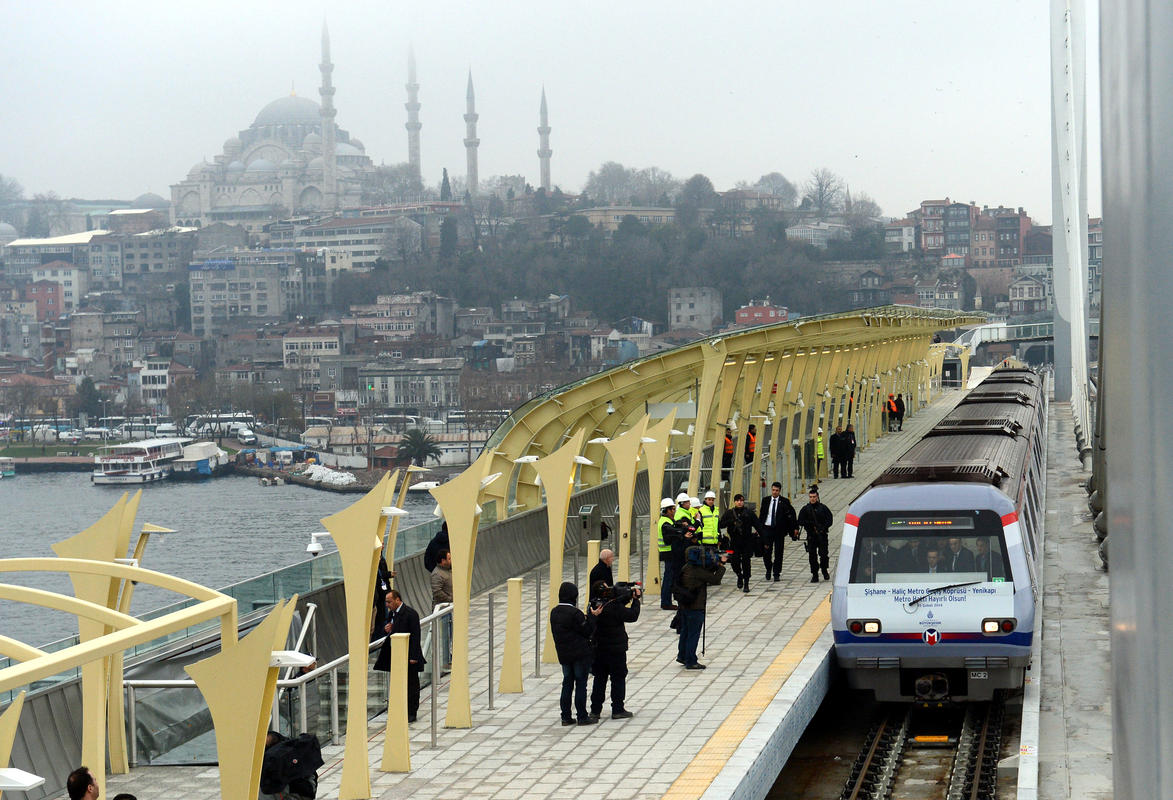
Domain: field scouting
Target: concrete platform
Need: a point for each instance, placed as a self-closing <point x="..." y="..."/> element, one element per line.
<point x="694" y="734"/>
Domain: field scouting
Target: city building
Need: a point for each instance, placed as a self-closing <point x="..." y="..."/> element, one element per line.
<point x="932" y="226"/>
<point x="149" y="380"/>
<point x="958" y="220"/>
<point x="818" y="234"/>
<point x="763" y="313"/>
<point x="303" y="349"/>
<point x="900" y="236"/>
<point x="696" y="307"/>
<point x="23" y="256"/>
<point x="425" y="385"/>
<point x="983" y="248"/>
<point x="1030" y="295"/>
<point x="115" y="333"/>
<point x="364" y="239"/>
<point x="74" y="281"/>
<point x="402" y="316"/>
<point x="607" y="218"/>
<point x="247" y="287"/>
<point x="1010" y="227"/>
<point x="48" y="297"/>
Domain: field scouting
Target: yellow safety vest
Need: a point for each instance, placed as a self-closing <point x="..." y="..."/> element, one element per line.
<point x="709" y="517"/>
<point x="664" y="546"/>
<point x="819" y="446"/>
<point x="684" y="514"/>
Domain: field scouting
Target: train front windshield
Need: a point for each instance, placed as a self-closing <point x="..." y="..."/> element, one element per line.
<point x="895" y="547"/>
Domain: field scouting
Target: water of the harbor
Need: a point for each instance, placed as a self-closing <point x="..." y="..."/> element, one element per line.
<point x="229" y="529"/>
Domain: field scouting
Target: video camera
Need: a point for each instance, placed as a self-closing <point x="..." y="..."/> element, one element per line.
<point x="622" y="591"/>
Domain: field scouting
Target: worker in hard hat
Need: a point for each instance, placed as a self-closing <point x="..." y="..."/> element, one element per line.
<point x="708" y="517"/>
<point x="683" y="508"/>
<point x="668" y="535"/>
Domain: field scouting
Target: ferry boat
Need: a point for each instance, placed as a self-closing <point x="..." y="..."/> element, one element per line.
<point x="7" y="467"/>
<point x="147" y="461"/>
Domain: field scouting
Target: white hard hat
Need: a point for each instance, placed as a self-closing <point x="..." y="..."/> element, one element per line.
<point x="682" y="498"/>
<point x="710" y="495"/>
<point x="694" y="501"/>
<point x="666" y="503"/>
<point x="820" y="430"/>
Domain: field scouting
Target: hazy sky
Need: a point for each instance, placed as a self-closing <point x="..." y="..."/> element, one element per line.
<point x="906" y="100"/>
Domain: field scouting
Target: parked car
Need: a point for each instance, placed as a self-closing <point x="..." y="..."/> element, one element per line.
<point x="245" y="436"/>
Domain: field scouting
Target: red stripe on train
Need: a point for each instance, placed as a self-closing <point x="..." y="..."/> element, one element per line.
<point x="851" y="519"/>
<point x="1009" y="519"/>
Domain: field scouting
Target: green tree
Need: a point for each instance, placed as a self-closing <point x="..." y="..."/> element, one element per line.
<point x="417" y="445"/>
<point x="183" y="306"/>
<point x="448" y="238"/>
<point x="88" y="399"/>
<point x="445" y="187"/>
<point x="696" y="194"/>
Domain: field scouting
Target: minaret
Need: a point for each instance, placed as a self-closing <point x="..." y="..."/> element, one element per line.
<point x="413" y="116"/>
<point x="329" y="159"/>
<point x="544" y="151"/>
<point x="471" y="142"/>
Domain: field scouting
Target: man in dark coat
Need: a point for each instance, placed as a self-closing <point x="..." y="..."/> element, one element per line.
<point x="816" y="519"/>
<point x="847" y="441"/>
<point x="439" y="542"/>
<point x="702" y="569"/>
<point x="836" y="443"/>
<point x="744" y="531"/>
<point x="402" y="618"/>
<point x="777" y="519"/>
<point x="601" y="573"/>
<point x="958" y="557"/>
<point x="572" y="630"/>
<point x="900" y="412"/>
<point x="611" y="647"/>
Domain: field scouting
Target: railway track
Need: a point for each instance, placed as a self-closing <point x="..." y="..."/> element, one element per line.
<point x="913" y="756"/>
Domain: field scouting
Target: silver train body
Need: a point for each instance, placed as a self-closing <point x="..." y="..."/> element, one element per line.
<point x="937" y="581"/>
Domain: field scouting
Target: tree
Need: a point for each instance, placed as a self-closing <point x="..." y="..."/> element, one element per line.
<point x="183" y="306"/>
<point x="11" y="193"/>
<point x="445" y="186"/>
<point x="824" y="191"/>
<point x="611" y="183"/>
<point x="46" y="215"/>
<point x="654" y="186"/>
<point x="392" y="183"/>
<point x="448" y="238"/>
<point x="88" y="399"/>
<point x="417" y="445"/>
<point x="775" y="183"/>
<point x="696" y="194"/>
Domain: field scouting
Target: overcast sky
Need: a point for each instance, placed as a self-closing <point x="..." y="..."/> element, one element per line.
<point x="906" y="100"/>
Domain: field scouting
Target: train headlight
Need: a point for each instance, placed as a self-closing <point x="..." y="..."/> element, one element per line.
<point x="871" y="626"/>
<point x="990" y="626"/>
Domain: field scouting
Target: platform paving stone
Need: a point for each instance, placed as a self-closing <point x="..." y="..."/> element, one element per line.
<point x="676" y="711"/>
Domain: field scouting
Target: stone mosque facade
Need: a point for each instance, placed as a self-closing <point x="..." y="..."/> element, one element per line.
<point x="293" y="159"/>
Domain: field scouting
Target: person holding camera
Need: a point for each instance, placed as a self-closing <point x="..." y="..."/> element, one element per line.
<point x="702" y="569"/>
<point x="572" y="631"/>
<point x="744" y="533"/>
<point x="816" y="519"/>
<point x="620" y="605"/>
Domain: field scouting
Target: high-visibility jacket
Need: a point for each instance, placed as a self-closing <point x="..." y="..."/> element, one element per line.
<point x="819" y="445"/>
<point x="683" y="514"/>
<point x="709" y="517"/>
<point x="751" y="442"/>
<point x="728" y="445"/>
<point x="892" y="409"/>
<point x="662" y="545"/>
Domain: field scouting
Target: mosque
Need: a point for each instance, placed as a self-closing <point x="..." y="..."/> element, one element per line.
<point x="293" y="159"/>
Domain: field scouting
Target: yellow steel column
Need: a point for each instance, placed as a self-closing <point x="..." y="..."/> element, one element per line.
<point x="715" y="432"/>
<point x="238" y="684"/>
<point x="357" y="531"/>
<point x="752" y="374"/>
<point x="458" y="501"/>
<point x="557" y="473"/>
<point x="510" y="681"/>
<point x="655" y="456"/>
<point x="781" y="453"/>
<point x="713" y="363"/>
<point x="805" y="428"/>
<point x="396" y="741"/>
<point x="99" y="542"/>
<point x="624" y="453"/>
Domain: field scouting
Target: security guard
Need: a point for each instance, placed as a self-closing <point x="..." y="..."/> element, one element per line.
<point x="667" y="534"/>
<point x="709" y="516"/>
<point x="819" y="453"/>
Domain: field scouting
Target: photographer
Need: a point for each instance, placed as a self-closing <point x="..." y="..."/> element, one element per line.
<point x="701" y="570"/>
<point x="816" y="519"/>
<point x="572" y="631"/>
<point x="744" y="533"/>
<point x="620" y="605"/>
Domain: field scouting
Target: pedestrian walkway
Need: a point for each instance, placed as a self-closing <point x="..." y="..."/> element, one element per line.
<point x="687" y="724"/>
<point x="1075" y="719"/>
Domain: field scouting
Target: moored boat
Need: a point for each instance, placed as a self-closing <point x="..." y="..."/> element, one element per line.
<point x="146" y="461"/>
<point x="7" y="467"/>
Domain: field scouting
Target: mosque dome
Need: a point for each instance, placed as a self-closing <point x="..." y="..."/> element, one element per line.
<point x="150" y="200"/>
<point x="261" y="165"/>
<point x="199" y="169"/>
<point x="289" y="110"/>
<point x="311" y="138"/>
<point x="344" y="149"/>
<point x="317" y="163"/>
<point x="7" y="230"/>
<point x="357" y="144"/>
<point x="232" y="145"/>
<point x="236" y="166"/>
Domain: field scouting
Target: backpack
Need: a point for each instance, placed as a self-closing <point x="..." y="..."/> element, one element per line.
<point x="292" y="764"/>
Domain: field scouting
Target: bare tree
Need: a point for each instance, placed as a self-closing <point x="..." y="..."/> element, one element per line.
<point x="652" y="185"/>
<point x="392" y="183"/>
<point x="824" y="191"/>
<point x="776" y="183"/>
<point x="611" y="183"/>
<point x="11" y="193"/>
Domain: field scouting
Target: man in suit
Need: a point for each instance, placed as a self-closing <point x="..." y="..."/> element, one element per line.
<point x="916" y="555"/>
<point x="958" y="558"/>
<point x="987" y="562"/>
<point x="402" y="618"/>
<point x="933" y="564"/>
<point x="778" y="521"/>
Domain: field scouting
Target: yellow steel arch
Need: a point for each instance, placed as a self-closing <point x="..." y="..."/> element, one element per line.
<point x="818" y="365"/>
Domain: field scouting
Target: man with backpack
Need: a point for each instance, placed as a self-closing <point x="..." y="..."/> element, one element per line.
<point x="702" y="569"/>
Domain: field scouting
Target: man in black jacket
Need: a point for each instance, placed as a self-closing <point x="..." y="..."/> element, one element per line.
<point x="439" y="542"/>
<point x="847" y="442"/>
<point x="601" y="573"/>
<point x="836" y="443"/>
<point x="618" y="607"/>
<point x="816" y="519"/>
<point x="701" y="570"/>
<point x="572" y="632"/>
<point x="744" y="530"/>
<point x="776" y="516"/>
<point x="900" y="412"/>
<point x="402" y="618"/>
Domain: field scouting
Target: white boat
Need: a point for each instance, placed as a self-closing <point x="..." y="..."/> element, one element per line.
<point x="423" y="486"/>
<point x="7" y="467"/>
<point x="147" y="461"/>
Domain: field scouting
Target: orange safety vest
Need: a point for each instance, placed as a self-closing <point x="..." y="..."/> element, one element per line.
<point x="728" y="445"/>
<point x="751" y="443"/>
<point x="892" y="406"/>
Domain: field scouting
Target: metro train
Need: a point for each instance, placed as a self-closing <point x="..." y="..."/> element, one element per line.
<point x="938" y="576"/>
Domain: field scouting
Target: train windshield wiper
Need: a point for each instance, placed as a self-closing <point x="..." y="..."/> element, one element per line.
<point x="932" y="592"/>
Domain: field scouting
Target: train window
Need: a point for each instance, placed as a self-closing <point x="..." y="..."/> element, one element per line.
<point x="896" y="548"/>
